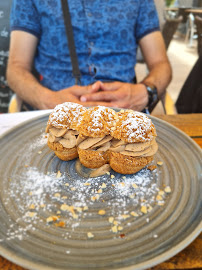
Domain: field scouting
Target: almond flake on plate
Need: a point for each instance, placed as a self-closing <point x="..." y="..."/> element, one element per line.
<point x="144" y="209"/>
<point x="167" y="189"/>
<point x="101" y="212"/>
<point x="90" y="235"/>
<point x="159" y="163"/>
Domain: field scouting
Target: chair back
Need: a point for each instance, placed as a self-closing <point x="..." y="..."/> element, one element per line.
<point x="198" y="22"/>
<point x="169" y="29"/>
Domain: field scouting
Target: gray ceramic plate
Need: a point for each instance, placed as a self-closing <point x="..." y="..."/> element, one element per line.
<point x="50" y="210"/>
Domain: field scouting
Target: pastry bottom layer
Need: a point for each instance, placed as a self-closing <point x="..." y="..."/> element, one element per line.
<point x="93" y="159"/>
<point x="126" y="164"/>
<point x="62" y="152"/>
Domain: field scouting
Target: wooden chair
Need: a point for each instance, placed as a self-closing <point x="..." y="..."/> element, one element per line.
<point x="198" y="22"/>
<point x="169" y="29"/>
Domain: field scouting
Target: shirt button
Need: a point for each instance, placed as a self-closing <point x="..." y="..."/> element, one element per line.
<point x="89" y="14"/>
<point x="91" y="43"/>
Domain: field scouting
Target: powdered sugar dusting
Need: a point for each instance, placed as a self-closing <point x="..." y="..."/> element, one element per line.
<point x="101" y="115"/>
<point x="63" y="114"/>
<point x="134" y="127"/>
<point x="68" y="200"/>
<point x="96" y="117"/>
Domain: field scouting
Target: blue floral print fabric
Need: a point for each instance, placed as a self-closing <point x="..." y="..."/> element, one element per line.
<point x="106" y="36"/>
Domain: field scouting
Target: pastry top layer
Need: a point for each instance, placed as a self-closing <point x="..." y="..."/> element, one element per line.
<point x="66" y="115"/>
<point x="97" y="121"/>
<point x="133" y="127"/>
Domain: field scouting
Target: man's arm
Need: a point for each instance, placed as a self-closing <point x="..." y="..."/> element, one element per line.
<point x="154" y="52"/>
<point x="20" y="79"/>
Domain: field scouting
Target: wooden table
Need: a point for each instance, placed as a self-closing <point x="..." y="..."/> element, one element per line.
<point x="190" y="257"/>
<point x="194" y="11"/>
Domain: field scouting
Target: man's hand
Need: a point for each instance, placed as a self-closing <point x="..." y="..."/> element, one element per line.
<point x="73" y="94"/>
<point x="117" y="94"/>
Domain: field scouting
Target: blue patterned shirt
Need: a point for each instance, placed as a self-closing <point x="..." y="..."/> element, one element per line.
<point x="106" y="36"/>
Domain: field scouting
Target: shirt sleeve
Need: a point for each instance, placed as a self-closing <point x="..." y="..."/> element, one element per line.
<point x="147" y="21"/>
<point x="24" y="16"/>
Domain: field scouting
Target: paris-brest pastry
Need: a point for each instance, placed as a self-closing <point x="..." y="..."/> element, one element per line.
<point x="134" y="144"/>
<point x="62" y="130"/>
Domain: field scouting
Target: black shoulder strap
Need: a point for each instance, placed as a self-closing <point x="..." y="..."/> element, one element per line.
<point x="71" y="44"/>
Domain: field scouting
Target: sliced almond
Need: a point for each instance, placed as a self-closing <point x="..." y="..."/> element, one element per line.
<point x="57" y="132"/>
<point x="52" y="138"/>
<point x="80" y="139"/>
<point x="104" y="147"/>
<point x="118" y="148"/>
<point x="136" y="147"/>
<point x="103" y="141"/>
<point x="153" y="150"/>
<point x="101" y="171"/>
<point x="71" y="132"/>
<point x="116" y="143"/>
<point x="68" y="142"/>
<point x="136" y="154"/>
<point x="89" y="142"/>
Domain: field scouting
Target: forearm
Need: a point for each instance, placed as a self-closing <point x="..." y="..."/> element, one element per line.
<point x="26" y="86"/>
<point x="159" y="75"/>
<point x="154" y="52"/>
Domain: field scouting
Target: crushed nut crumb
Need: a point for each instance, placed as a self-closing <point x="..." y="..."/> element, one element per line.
<point x="90" y="235"/>
<point x="144" y="209"/>
<point x="120" y="228"/>
<point x="159" y="163"/>
<point x="58" y="174"/>
<point x="114" y="229"/>
<point x="31" y="214"/>
<point x="167" y="189"/>
<point x="151" y="167"/>
<point x="32" y="206"/>
<point x="125" y="216"/>
<point x="134" y="214"/>
<point x="161" y="192"/>
<point x="159" y="198"/>
<point x="101" y="212"/>
<point x="111" y="219"/>
<point x="103" y="185"/>
<point x="134" y="185"/>
<point x="60" y="224"/>
<point x="57" y="195"/>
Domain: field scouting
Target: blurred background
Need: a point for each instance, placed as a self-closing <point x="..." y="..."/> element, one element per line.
<point x="181" y="26"/>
